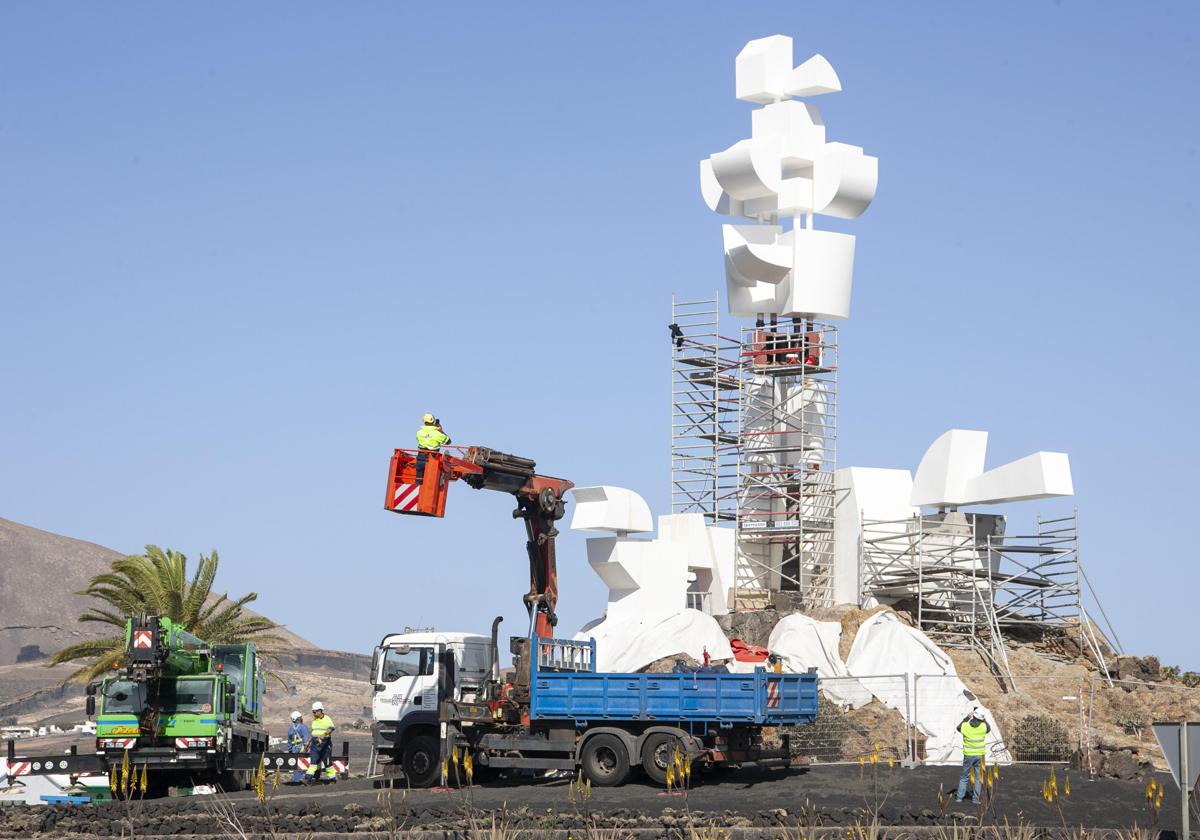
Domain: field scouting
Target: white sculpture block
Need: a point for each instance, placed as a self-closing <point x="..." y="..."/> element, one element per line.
<point x="862" y="493"/>
<point x="763" y="69"/>
<point x="822" y="276"/>
<point x="951" y="474"/>
<point x="1042" y="475"/>
<point x="605" y="508"/>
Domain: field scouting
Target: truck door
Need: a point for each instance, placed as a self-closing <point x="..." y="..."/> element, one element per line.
<point x="409" y="680"/>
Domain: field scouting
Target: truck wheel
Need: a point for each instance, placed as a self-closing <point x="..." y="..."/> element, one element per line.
<point x="605" y="760"/>
<point x="420" y="761"/>
<point x="658" y="751"/>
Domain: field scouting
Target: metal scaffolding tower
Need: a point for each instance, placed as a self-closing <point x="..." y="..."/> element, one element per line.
<point x="968" y="583"/>
<point x="704" y="410"/>
<point x="786" y="459"/>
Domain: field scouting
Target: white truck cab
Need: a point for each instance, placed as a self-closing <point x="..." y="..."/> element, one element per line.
<point x="413" y="672"/>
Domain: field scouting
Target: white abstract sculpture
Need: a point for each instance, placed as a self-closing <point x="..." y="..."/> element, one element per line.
<point x="650" y="580"/>
<point x="952" y="474"/>
<point x="784" y="170"/>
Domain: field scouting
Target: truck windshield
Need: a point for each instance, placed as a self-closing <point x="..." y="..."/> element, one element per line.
<point x="405" y="661"/>
<point x="193" y="696"/>
<point x="123" y="696"/>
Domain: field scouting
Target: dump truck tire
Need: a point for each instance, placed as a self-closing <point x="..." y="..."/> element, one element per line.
<point x="420" y="761"/>
<point x="605" y="760"/>
<point x="658" y="751"/>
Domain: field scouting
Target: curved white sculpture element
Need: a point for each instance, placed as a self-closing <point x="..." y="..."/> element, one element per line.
<point x="605" y="508"/>
<point x="845" y="181"/>
<point x="716" y="198"/>
<point x="814" y="77"/>
<point x="749" y="169"/>
<point x="951" y="474"/>
<point x="756" y="254"/>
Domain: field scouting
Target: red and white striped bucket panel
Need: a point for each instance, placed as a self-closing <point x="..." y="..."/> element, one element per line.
<point x="143" y="639"/>
<point x="19" y="768"/>
<point x="406" y="496"/>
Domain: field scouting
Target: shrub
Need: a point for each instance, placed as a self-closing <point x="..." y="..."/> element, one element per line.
<point x="1040" y="738"/>
<point x="1131" y="721"/>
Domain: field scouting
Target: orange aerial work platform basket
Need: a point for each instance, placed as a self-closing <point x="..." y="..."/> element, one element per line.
<point x="419" y="481"/>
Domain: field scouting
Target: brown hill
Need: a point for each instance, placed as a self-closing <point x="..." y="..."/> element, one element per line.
<point x="40" y="573"/>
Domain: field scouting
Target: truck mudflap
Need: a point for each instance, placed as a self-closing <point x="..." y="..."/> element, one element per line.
<point x="285" y="761"/>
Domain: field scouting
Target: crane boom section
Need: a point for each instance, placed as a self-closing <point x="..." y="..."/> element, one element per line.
<point x="419" y="481"/>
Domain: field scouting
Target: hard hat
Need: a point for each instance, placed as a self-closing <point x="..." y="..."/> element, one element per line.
<point x="296" y="715"/>
<point x="427" y="419"/>
<point x="976" y="712"/>
<point x="318" y="706"/>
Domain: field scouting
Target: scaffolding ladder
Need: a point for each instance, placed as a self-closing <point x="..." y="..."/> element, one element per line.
<point x="705" y="380"/>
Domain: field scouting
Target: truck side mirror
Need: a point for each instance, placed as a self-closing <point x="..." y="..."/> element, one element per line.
<point x="91" y="689"/>
<point x="90" y="705"/>
<point x="230" y="698"/>
<point x="379" y="687"/>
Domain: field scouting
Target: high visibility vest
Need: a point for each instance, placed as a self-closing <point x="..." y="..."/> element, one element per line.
<point x="322" y="726"/>
<point x="431" y="438"/>
<point x="974" y="737"/>
<point x="297" y="736"/>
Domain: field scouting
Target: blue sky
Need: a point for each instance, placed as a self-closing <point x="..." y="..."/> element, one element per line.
<point x="244" y="246"/>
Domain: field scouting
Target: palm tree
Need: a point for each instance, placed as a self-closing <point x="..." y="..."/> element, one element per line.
<point x="157" y="583"/>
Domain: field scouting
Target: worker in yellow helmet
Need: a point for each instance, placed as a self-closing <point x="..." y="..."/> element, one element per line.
<point x="430" y="438"/>
<point x="974" y="729"/>
<point x="321" y="750"/>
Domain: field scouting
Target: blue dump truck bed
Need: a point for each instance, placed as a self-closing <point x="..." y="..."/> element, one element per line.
<point x="762" y="697"/>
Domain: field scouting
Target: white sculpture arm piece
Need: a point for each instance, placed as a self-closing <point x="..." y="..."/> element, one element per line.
<point x="615" y="509"/>
<point x="952" y="474"/>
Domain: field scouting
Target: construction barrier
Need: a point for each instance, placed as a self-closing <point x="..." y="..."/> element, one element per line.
<point x="1036" y="718"/>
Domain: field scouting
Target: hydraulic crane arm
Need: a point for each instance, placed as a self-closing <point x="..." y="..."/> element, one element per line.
<point x="418" y="482"/>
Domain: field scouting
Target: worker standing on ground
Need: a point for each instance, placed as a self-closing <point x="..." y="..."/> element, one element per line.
<point x="974" y="730"/>
<point x="321" y="749"/>
<point x="297" y="741"/>
<point x="430" y="438"/>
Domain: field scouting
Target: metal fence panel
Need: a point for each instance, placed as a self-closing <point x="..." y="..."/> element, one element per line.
<point x="1042" y="719"/>
<point x="857" y="717"/>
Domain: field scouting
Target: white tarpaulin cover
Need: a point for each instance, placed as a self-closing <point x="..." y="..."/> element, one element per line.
<point x="803" y="643"/>
<point x="625" y="646"/>
<point x="885" y="645"/>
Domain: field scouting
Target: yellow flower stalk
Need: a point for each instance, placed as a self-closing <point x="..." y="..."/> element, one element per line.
<point x="144" y="782"/>
<point x="112" y="781"/>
